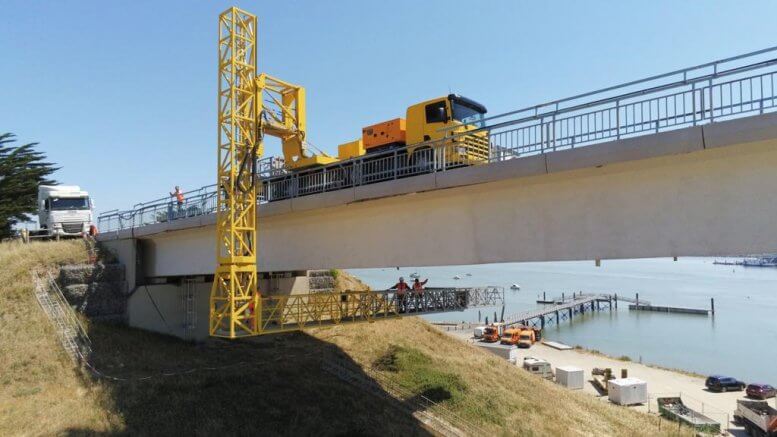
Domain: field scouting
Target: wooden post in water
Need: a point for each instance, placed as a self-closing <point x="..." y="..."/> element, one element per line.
<point x="712" y="305"/>
<point x="637" y="299"/>
<point x="543" y="297"/>
<point x="616" y="301"/>
<point x="562" y="297"/>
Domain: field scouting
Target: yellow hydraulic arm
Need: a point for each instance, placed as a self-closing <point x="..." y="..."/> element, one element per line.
<point x="283" y="116"/>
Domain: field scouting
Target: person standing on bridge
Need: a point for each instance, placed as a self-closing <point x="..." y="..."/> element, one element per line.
<point x="402" y="290"/>
<point x="178" y="194"/>
<point x="418" y="293"/>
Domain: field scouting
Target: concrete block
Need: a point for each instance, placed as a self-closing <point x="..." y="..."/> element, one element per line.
<point x="478" y="174"/>
<point x="412" y="184"/>
<point x="629" y="149"/>
<point x="274" y="208"/>
<point x="322" y="200"/>
<point x="744" y="130"/>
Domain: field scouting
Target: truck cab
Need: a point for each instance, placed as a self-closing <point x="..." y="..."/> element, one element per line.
<point x="64" y="210"/>
<point x="526" y="338"/>
<point x="436" y="119"/>
<point x="511" y="336"/>
<point x="493" y="332"/>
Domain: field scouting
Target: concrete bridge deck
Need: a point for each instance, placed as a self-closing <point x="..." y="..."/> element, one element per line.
<point x="699" y="191"/>
<point x="680" y="164"/>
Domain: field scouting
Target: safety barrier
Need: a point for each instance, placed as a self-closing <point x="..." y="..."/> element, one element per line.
<point x="726" y="89"/>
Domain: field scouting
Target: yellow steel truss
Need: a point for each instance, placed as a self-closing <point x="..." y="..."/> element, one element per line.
<point x="234" y="300"/>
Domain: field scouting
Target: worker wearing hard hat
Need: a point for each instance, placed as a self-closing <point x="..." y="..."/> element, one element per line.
<point x="402" y="288"/>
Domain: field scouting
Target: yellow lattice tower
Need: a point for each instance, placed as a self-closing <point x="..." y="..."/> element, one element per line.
<point x="235" y="303"/>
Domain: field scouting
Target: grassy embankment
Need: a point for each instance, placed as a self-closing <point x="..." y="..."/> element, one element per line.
<point x="280" y="390"/>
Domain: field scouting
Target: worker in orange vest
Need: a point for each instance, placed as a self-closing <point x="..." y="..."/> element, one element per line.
<point x="418" y="292"/>
<point x="178" y="194"/>
<point x="402" y="289"/>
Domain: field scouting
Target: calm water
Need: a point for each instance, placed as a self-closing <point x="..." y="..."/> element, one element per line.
<point x="741" y="340"/>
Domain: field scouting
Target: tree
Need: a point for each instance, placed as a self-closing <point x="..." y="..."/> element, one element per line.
<point x="22" y="169"/>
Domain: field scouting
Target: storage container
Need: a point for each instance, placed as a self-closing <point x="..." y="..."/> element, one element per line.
<point x="627" y="391"/>
<point x="570" y="377"/>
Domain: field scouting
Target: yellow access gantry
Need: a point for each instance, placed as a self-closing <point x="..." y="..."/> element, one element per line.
<point x="250" y="106"/>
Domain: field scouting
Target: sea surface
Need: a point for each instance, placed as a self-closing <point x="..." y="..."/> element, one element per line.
<point x="740" y="340"/>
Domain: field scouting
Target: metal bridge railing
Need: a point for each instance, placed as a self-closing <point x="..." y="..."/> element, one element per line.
<point x="726" y="89"/>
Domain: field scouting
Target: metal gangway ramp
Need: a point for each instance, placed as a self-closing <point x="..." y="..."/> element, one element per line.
<point x="296" y="312"/>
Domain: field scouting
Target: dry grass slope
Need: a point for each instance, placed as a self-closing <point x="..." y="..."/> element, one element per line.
<point x="281" y="390"/>
<point x="40" y="391"/>
<point x="479" y="386"/>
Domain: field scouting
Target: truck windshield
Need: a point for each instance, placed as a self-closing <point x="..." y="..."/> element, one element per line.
<point x="466" y="114"/>
<point x="60" y="203"/>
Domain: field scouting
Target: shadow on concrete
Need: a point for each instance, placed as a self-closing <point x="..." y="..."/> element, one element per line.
<point x="269" y="385"/>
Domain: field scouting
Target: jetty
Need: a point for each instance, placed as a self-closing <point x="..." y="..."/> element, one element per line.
<point x="563" y="310"/>
<point x="642" y="306"/>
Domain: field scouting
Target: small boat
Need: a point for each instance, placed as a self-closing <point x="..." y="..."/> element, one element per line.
<point x="469" y="274"/>
<point x="457" y="277"/>
<point x="515" y="287"/>
<point x="415" y="275"/>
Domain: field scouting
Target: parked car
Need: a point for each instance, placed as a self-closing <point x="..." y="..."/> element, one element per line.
<point x="761" y="391"/>
<point x="722" y="383"/>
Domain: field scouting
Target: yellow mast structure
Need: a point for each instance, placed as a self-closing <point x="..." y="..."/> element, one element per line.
<point x="235" y="302"/>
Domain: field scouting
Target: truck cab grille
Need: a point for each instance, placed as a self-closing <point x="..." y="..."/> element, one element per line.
<point x="73" y="228"/>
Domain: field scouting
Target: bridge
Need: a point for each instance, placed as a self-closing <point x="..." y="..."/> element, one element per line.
<point x="679" y="164"/>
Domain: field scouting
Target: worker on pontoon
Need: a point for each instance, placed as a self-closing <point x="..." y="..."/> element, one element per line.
<point x="402" y="288"/>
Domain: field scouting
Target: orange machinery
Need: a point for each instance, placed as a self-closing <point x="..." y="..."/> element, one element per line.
<point x="384" y="135"/>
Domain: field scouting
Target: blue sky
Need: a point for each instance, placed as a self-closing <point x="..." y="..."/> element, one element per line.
<point x="122" y="94"/>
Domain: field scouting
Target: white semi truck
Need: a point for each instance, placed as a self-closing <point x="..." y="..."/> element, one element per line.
<point x="63" y="211"/>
